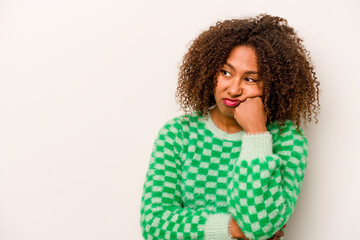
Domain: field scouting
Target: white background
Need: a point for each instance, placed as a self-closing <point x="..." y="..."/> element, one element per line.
<point x="86" y="84"/>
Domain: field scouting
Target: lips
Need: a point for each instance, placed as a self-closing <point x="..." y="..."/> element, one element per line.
<point x="231" y="102"/>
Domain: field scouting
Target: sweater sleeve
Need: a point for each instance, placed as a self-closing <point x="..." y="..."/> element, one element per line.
<point x="162" y="213"/>
<point x="266" y="181"/>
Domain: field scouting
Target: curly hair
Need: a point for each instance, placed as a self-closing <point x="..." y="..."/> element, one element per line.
<point x="291" y="89"/>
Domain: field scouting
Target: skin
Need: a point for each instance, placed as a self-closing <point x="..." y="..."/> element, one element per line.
<point x="238" y="79"/>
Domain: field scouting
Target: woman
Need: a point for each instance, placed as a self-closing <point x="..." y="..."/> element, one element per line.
<point x="233" y="166"/>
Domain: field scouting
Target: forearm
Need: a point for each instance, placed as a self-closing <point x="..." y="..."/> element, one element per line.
<point x="236" y="232"/>
<point x="262" y="197"/>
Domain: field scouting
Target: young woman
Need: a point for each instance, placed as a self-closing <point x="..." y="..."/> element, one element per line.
<point x="232" y="167"/>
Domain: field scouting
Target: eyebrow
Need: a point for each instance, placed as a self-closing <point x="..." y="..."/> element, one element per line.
<point x="247" y="72"/>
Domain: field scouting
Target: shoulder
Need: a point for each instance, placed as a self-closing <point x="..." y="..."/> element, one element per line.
<point x="287" y="133"/>
<point x="290" y="143"/>
<point x="176" y="131"/>
<point x="183" y="122"/>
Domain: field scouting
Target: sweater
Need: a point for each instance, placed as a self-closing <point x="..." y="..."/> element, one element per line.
<point x="199" y="177"/>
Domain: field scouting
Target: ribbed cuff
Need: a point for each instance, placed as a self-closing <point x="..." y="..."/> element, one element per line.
<point x="256" y="145"/>
<point x="217" y="227"/>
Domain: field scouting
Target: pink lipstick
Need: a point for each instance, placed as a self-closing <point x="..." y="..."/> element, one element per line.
<point x="231" y="102"/>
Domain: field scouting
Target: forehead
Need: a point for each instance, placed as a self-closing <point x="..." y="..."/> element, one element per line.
<point x="243" y="57"/>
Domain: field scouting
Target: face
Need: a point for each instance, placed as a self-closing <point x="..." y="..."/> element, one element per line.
<point x="237" y="80"/>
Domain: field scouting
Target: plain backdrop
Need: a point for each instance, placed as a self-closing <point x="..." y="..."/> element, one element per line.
<point x="85" y="86"/>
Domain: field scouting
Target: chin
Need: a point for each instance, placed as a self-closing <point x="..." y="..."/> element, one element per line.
<point x="227" y="112"/>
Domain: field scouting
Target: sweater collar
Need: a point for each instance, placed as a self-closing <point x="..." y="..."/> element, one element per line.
<point x="218" y="133"/>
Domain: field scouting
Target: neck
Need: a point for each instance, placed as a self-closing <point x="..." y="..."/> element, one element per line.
<point x="225" y="123"/>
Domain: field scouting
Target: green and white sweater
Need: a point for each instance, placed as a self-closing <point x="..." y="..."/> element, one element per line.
<point x="200" y="176"/>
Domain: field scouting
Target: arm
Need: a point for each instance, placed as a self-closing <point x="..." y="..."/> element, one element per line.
<point x="162" y="213"/>
<point x="236" y="232"/>
<point x="266" y="181"/>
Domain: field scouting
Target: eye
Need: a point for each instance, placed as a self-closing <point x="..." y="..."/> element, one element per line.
<point x="251" y="80"/>
<point x="225" y="73"/>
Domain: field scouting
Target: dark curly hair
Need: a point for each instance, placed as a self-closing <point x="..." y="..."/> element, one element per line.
<point x="291" y="89"/>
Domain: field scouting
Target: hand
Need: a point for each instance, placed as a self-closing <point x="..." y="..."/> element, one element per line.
<point x="278" y="234"/>
<point x="235" y="231"/>
<point x="250" y="115"/>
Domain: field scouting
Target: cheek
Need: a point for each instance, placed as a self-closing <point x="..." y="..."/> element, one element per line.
<point x="219" y="88"/>
<point x="253" y="91"/>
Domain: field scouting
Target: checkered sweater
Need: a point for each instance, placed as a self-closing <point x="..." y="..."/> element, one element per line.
<point x="200" y="176"/>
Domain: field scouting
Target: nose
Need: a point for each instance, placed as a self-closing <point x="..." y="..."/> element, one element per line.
<point x="235" y="88"/>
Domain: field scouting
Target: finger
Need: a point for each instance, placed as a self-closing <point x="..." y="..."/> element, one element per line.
<point x="284" y="226"/>
<point x="243" y="98"/>
<point x="253" y="94"/>
<point x="279" y="233"/>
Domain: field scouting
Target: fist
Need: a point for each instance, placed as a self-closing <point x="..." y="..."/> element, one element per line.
<point x="278" y="234"/>
<point x="250" y="115"/>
